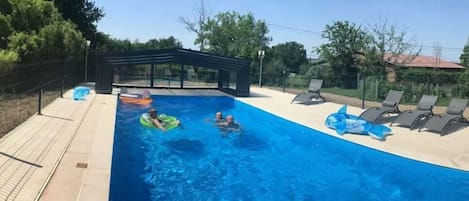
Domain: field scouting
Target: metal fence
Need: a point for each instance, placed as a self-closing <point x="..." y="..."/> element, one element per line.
<point x="27" y="88"/>
<point x="375" y="89"/>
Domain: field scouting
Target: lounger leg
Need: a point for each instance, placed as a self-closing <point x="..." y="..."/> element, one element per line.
<point x="323" y="99"/>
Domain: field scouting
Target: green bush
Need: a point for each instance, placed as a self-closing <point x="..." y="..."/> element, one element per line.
<point x="300" y="82"/>
<point x="7" y="60"/>
<point x="426" y="76"/>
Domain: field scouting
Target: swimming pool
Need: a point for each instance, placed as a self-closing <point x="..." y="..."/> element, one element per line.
<point x="273" y="159"/>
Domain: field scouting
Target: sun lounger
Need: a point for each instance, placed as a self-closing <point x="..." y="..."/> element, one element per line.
<point x="390" y="105"/>
<point x="454" y="112"/>
<point x="423" y="110"/>
<point x="312" y="93"/>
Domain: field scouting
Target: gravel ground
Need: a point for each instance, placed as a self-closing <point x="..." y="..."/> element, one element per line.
<point x="15" y="110"/>
<point x="358" y="102"/>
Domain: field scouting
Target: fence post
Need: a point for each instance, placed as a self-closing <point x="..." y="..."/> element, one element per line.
<point x="181" y="75"/>
<point x="284" y="80"/>
<point x="152" y="71"/>
<point x="363" y="92"/>
<point x="63" y="79"/>
<point x="376" y="89"/>
<point x="39" y="99"/>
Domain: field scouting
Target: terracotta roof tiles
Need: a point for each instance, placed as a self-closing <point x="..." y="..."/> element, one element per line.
<point x="422" y="61"/>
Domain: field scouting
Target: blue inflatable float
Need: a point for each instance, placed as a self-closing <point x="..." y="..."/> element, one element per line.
<point x="79" y="93"/>
<point x="346" y="123"/>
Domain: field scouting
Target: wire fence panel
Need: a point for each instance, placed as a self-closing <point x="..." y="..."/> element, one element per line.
<point x="375" y="89"/>
<point x="20" y="88"/>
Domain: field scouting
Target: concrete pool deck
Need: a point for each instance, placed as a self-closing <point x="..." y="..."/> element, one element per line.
<point x="451" y="150"/>
<point x="66" y="153"/>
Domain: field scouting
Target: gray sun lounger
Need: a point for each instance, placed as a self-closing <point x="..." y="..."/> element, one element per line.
<point x="312" y="93"/>
<point x="423" y="110"/>
<point x="390" y="105"/>
<point x="454" y="112"/>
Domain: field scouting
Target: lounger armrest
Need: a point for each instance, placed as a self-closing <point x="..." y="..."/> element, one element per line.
<point x="389" y="104"/>
<point x="370" y="108"/>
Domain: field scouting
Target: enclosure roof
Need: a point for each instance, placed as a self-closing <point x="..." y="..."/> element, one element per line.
<point x="179" y="56"/>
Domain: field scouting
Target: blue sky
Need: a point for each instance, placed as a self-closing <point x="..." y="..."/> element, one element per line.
<point x="428" y="21"/>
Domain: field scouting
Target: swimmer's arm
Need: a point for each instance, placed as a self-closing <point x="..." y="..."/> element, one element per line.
<point x="158" y="124"/>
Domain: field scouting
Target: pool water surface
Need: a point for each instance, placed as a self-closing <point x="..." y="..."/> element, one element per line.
<point x="271" y="159"/>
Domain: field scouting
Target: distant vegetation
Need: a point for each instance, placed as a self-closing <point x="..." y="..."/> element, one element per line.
<point x="35" y="30"/>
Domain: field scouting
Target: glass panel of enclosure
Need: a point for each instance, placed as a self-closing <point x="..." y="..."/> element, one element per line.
<point x="137" y="75"/>
<point x="165" y="75"/>
<point x="200" y="77"/>
<point x="232" y="81"/>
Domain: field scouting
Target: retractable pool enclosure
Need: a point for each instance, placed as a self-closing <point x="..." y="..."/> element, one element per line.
<point x="175" y="68"/>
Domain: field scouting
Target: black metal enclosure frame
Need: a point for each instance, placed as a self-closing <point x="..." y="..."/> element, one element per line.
<point x="224" y="65"/>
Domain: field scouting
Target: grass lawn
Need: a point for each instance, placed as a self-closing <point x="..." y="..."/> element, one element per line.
<point x="343" y="92"/>
<point x="358" y="94"/>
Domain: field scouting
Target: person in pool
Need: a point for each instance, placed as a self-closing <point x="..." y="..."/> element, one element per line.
<point x="219" y="117"/>
<point x="146" y="95"/>
<point x="229" y="125"/>
<point x="156" y="121"/>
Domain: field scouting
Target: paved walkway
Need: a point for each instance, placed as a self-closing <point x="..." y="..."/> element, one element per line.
<point x="66" y="153"/>
<point x="30" y="154"/>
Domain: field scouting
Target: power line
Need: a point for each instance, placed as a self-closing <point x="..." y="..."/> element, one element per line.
<point x="294" y="29"/>
<point x="432" y="47"/>
<point x="316" y="33"/>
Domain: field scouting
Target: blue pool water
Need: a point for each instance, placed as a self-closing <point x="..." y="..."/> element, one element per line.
<point x="273" y="159"/>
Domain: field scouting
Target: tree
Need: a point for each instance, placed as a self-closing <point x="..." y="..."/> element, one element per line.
<point x="273" y="72"/>
<point x="232" y="34"/>
<point x="5" y="7"/>
<point x="106" y="44"/>
<point x="346" y="43"/>
<point x="84" y="13"/>
<point x="5" y="25"/>
<point x="59" y="40"/>
<point x="27" y="46"/>
<point x="437" y="53"/>
<point x="201" y="16"/>
<point x="163" y="43"/>
<point x="290" y="54"/>
<point x="464" y="77"/>
<point x="465" y="55"/>
<point x="34" y="30"/>
<point x="31" y="15"/>
<point x="5" y="30"/>
<point x="7" y="58"/>
<point x="389" y="45"/>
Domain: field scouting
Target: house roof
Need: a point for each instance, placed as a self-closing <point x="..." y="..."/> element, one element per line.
<point x="422" y="62"/>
